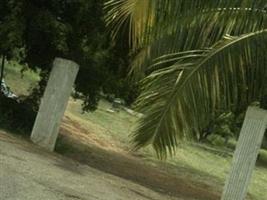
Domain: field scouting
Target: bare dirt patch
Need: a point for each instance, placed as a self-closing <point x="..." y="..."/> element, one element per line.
<point x="56" y="177"/>
<point x="87" y="148"/>
<point x="44" y="175"/>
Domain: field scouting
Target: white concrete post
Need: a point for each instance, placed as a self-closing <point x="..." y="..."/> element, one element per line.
<point x="245" y="155"/>
<point x="54" y="103"/>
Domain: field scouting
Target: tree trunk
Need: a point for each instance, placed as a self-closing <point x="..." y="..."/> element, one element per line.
<point x="2" y="68"/>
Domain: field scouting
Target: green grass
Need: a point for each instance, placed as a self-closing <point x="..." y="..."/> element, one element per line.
<point x="20" y="83"/>
<point x="217" y="168"/>
<point x="116" y="126"/>
<point x="190" y="161"/>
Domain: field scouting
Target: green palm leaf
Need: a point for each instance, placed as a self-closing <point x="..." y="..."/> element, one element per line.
<point x="150" y="19"/>
<point x="190" y="71"/>
<point x="197" y="33"/>
<point x="179" y="100"/>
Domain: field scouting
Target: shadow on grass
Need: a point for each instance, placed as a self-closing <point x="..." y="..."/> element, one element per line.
<point x="262" y="159"/>
<point x="23" y="143"/>
<point x="134" y="169"/>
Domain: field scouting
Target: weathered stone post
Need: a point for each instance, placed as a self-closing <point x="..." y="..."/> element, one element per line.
<point x="54" y="103"/>
<point x="246" y="153"/>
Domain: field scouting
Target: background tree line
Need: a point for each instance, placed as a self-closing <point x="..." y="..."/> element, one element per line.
<point x="34" y="32"/>
<point x="37" y="31"/>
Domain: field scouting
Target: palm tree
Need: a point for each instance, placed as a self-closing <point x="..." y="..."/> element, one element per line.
<point x="194" y="58"/>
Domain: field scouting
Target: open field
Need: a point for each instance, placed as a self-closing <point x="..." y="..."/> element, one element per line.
<point x="101" y="140"/>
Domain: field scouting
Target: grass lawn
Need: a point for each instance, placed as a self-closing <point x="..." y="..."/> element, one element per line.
<point x="190" y="161"/>
<point x="20" y="83"/>
<point x="116" y="126"/>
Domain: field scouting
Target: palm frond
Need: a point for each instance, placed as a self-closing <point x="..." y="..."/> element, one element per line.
<point x="179" y="100"/>
<point x="138" y="14"/>
<point x="196" y="32"/>
<point x="149" y="19"/>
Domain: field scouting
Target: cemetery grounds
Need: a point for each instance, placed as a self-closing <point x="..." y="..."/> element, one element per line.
<point x="102" y="141"/>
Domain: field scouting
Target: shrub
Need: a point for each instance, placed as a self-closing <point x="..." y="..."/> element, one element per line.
<point x="17" y="116"/>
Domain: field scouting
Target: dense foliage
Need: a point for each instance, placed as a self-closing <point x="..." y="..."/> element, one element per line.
<point x="197" y="59"/>
<point x="15" y="116"/>
<point x="37" y="31"/>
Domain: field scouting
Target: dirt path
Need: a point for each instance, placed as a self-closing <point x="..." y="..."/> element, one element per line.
<point x="90" y="169"/>
<point x="85" y="147"/>
<point x="27" y="173"/>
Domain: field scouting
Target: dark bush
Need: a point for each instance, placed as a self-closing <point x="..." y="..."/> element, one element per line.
<point x="16" y="116"/>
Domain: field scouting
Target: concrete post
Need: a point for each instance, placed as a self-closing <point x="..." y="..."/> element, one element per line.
<point x="54" y="103"/>
<point x="246" y="153"/>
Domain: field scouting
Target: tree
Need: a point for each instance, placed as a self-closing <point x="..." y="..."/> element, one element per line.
<point x="34" y="32"/>
<point x="11" y="30"/>
<point x="72" y="29"/>
<point x="196" y="58"/>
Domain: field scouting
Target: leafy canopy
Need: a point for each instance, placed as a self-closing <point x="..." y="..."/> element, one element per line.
<point x="195" y="58"/>
<point x="37" y="31"/>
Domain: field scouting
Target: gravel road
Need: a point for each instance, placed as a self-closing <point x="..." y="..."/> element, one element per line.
<point x="28" y="173"/>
